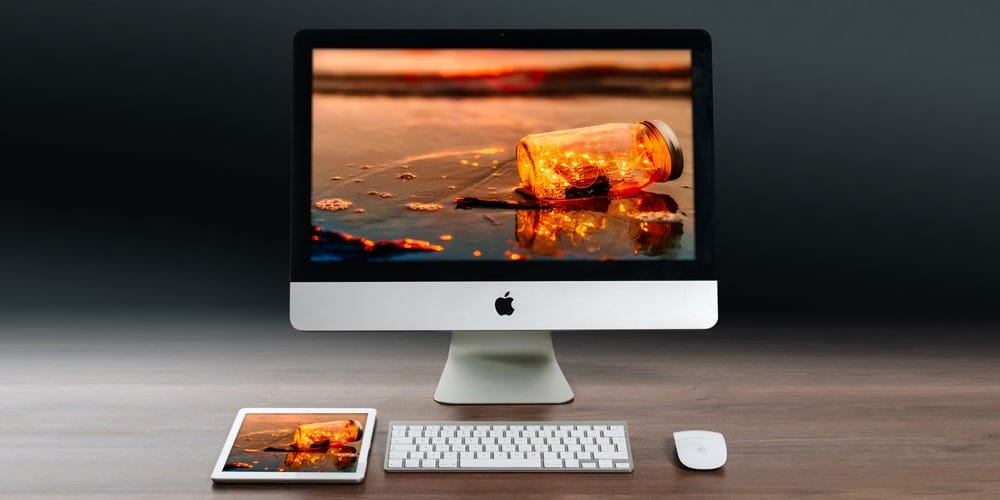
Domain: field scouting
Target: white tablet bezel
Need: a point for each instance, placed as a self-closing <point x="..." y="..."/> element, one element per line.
<point x="221" y="476"/>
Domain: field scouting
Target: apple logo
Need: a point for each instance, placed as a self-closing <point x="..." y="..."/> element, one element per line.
<point x="503" y="305"/>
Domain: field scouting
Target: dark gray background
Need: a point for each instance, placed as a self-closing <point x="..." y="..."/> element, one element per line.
<point x="146" y="149"/>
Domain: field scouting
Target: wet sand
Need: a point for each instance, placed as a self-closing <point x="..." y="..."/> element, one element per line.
<point x="383" y="153"/>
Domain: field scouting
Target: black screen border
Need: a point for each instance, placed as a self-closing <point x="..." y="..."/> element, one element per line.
<point x="702" y="267"/>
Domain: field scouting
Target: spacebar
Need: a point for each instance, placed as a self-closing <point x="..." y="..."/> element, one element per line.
<point x="488" y="463"/>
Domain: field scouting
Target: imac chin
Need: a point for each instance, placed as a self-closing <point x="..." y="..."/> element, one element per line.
<point x="501" y="347"/>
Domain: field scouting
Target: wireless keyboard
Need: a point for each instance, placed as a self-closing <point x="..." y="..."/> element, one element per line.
<point x="448" y="446"/>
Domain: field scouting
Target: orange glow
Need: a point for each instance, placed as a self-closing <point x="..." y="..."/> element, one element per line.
<point x="476" y="73"/>
<point x="453" y="152"/>
<point x="459" y="63"/>
<point x="477" y="253"/>
<point x="338" y="458"/>
<point x="616" y="159"/>
<point x="409" y="244"/>
<point x="445" y="237"/>
<point x="641" y="225"/>
<point x="323" y="435"/>
<point x="321" y="236"/>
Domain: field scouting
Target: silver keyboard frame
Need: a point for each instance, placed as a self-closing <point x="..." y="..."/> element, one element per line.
<point x="628" y="445"/>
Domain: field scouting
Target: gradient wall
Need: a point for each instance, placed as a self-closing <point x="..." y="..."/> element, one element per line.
<point x="146" y="148"/>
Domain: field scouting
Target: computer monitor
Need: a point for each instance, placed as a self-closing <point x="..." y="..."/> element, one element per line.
<point x="502" y="184"/>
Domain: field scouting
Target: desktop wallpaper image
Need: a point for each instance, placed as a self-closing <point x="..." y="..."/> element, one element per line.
<point x="413" y="154"/>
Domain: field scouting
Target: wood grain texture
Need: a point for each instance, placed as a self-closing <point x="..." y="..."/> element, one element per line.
<point x="95" y="409"/>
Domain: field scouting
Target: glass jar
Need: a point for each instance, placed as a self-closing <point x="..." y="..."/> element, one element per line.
<point x="323" y="435"/>
<point x="614" y="159"/>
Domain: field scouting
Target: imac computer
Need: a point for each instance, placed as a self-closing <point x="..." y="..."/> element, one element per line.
<point x="501" y="185"/>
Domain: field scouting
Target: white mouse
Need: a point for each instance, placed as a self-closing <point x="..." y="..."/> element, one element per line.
<point x="700" y="450"/>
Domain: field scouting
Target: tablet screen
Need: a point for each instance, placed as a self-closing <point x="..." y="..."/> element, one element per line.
<point x="298" y="442"/>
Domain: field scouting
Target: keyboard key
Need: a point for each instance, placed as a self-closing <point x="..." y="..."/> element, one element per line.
<point x="484" y="463"/>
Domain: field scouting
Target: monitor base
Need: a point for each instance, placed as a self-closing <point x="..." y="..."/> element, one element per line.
<point x="500" y="367"/>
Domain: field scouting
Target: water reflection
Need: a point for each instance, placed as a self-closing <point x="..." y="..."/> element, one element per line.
<point x="334" y="459"/>
<point x="648" y="224"/>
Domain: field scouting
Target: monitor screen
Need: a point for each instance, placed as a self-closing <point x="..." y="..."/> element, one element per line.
<point x="458" y="176"/>
<point x="452" y="154"/>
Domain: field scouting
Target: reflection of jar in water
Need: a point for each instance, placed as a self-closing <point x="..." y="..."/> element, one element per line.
<point x="646" y="224"/>
<point x="617" y="159"/>
<point x="324" y="435"/>
<point x="335" y="458"/>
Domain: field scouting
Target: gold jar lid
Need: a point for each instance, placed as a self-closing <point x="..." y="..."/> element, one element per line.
<point x="673" y="145"/>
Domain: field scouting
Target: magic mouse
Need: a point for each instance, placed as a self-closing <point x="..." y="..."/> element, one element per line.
<point x="700" y="450"/>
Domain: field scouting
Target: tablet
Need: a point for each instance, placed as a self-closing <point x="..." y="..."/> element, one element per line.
<point x="297" y="445"/>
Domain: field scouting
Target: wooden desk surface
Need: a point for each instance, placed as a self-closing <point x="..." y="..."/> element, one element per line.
<point x="95" y="408"/>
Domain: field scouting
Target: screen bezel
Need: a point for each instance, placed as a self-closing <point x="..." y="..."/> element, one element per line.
<point x="702" y="267"/>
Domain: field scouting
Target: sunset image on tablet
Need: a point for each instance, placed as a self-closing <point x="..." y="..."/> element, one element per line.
<point x="297" y="442"/>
